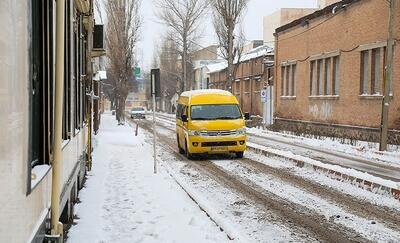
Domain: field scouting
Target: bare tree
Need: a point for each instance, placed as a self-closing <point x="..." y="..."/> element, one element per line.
<point x="123" y="24"/>
<point x="182" y="17"/>
<point x="227" y="17"/>
<point x="169" y="65"/>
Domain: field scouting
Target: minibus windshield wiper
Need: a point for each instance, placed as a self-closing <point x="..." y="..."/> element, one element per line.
<point x="202" y="119"/>
<point x="226" y="118"/>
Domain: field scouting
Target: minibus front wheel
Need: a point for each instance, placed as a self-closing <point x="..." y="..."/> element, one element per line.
<point x="181" y="151"/>
<point x="188" y="154"/>
<point x="239" y="155"/>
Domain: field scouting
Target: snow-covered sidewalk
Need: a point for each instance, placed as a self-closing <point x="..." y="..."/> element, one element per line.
<point x="123" y="201"/>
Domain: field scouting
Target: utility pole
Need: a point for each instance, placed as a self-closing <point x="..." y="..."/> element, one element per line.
<point x="388" y="78"/>
<point x="155" y="92"/>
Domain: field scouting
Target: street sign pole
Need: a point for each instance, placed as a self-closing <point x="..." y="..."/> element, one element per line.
<point x="153" y="93"/>
<point x="263" y="95"/>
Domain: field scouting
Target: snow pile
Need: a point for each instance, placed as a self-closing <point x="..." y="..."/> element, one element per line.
<point x="363" y="149"/>
<point x="336" y="168"/>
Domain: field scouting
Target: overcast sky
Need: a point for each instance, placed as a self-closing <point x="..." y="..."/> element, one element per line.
<point x="252" y="23"/>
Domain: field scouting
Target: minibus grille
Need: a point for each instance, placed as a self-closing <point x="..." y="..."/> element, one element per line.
<point x="217" y="133"/>
<point x="217" y="144"/>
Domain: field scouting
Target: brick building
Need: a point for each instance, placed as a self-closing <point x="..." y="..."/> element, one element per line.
<point x="254" y="71"/>
<point x="330" y="71"/>
<point x="217" y="73"/>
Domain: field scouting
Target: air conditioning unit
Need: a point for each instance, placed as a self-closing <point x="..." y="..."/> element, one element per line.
<point x="98" y="41"/>
<point x="98" y="37"/>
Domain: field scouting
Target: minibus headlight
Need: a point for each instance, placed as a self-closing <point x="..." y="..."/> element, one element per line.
<point x="193" y="133"/>
<point x="241" y="131"/>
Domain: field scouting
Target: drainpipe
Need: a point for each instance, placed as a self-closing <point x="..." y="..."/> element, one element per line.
<point x="275" y="78"/>
<point x="56" y="226"/>
<point x="89" y="69"/>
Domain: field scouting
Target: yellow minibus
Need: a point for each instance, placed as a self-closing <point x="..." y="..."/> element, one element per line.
<point x="210" y="122"/>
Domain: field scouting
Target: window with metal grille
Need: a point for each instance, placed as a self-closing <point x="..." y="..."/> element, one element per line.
<point x="372" y="68"/>
<point x="324" y="76"/>
<point x="288" y="80"/>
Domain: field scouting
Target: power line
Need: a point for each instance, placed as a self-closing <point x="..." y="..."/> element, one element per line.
<point x="330" y="17"/>
<point x="311" y="28"/>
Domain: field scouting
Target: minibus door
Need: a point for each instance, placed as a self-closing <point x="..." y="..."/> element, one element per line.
<point x="185" y="120"/>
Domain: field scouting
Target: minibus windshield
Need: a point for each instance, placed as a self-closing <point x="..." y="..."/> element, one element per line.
<point x="138" y="109"/>
<point x="215" y="112"/>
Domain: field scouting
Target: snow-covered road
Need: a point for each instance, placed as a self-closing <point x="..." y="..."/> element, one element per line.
<point x="255" y="199"/>
<point x="278" y="197"/>
<point x="123" y="201"/>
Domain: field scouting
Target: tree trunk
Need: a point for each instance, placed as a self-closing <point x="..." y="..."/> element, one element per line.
<point x="116" y="104"/>
<point x="112" y="104"/>
<point x="120" y="111"/>
<point x="230" y="60"/>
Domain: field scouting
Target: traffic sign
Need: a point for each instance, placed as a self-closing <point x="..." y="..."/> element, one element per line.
<point x="263" y="95"/>
<point x="137" y="72"/>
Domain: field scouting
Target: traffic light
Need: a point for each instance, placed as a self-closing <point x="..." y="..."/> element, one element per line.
<point x="155" y="82"/>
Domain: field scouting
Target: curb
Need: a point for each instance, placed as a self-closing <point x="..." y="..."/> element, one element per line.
<point x="358" y="178"/>
<point x="230" y="231"/>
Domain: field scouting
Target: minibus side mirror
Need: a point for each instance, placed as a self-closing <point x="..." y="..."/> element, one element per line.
<point x="184" y="118"/>
<point x="247" y="116"/>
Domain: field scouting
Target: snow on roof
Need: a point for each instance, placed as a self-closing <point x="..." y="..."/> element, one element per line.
<point x="257" y="52"/>
<point x="217" y="67"/>
<point x="254" y="53"/>
<point x="205" y="91"/>
<point x="205" y="63"/>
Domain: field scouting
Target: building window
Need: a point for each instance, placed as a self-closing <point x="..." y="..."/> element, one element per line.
<point x="66" y="125"/>
<point x="288" y="77"/>
<point x="257" y="84"/>
<point x="181" y="110"/>
<point x="324" y="76"/>
<point x="372" y="70"/>
<point x="41" y="90"/>
<point x="335" y="73"/>
<point x="237" y="87"/>
<point x="247" y="86"/>
<point x="41" y="103"/>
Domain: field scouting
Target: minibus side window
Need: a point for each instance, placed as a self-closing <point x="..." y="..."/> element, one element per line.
<point x="185" y="111"/>
<point x="179" y="111"/>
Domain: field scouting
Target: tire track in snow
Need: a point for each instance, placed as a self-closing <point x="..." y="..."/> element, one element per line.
<point x="387" y="216"/>
<point x="366" y="226"/>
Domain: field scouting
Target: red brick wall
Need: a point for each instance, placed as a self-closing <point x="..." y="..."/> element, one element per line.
<point x="249" y="80"/>
<point x="362" y="23"/>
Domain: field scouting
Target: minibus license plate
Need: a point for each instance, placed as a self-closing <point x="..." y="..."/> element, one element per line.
<point x="219" y="148"/>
